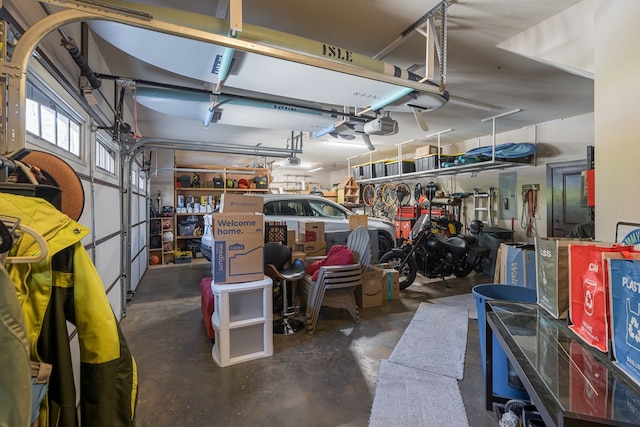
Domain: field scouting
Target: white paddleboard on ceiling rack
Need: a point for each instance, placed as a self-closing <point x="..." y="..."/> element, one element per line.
<point x="259" y="73"/>
<point x="236" y="111"/>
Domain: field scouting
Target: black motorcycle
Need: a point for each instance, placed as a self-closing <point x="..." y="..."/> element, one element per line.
<point x="434" y="255"/>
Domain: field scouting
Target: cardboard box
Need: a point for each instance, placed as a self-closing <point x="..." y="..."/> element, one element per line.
<point x="425" y="150"/>
<point x="370" y="293"/>
<point x="518" y="265"/>
<point x="313" y="248"/>
<point x="390" y="284"/>
<point x="238" y="248"/>
<point x="358" y="220"/>
<point x="291" y="239"/>
<point x="311" y="231"/>
<point x="232" y="203"/>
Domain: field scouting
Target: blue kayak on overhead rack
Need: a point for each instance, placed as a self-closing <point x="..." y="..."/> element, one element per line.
<point x="486" y="150"/>
<point x="522" y="149"/>
<point x="508" y="150"/>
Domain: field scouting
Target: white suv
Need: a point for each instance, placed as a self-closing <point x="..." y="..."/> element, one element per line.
<point x="292" y="208"/>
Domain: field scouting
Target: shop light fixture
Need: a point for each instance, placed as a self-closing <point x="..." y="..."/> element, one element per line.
<point x="352" y="144"/>
<point x="315" y="170"/>
<point x="283" y="164"/>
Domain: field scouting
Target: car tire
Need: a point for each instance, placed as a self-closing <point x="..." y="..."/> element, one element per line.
<point x="385" y="243"/>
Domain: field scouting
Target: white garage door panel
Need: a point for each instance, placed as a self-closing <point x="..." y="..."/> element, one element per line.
<point x="142" y="208"/>
<point x="107" y="217"/>
<point x="108" y="260"/>
<point x="135" y="241"/>
<point x="115" y="299"/>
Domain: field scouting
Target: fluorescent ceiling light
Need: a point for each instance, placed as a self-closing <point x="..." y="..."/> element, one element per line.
<point x="315" y="170"/>
<point x="300" y="166"/>
<point x="356" y="144"/>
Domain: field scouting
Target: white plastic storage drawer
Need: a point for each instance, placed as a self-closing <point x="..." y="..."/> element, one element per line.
<point x="244" y="343"/>
<point x="240" y="303"/>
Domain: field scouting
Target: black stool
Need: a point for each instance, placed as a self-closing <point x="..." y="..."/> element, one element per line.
<point x="278" y="266"/>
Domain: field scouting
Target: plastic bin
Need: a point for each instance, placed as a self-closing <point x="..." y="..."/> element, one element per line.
<point x="505" y="379"/>
<point x="358" y="171"/>
<point x="426" y="163"/>
<point x="408" y="166"/>
<point x="242" y="320"/>
<point x="379" y="169"/>
<point x="368" y="171"/>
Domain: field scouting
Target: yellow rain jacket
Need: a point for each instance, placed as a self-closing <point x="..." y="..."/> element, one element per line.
<point x="65" y="286"/>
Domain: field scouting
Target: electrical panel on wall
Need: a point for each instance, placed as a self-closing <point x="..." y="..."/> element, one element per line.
<point x="508" y="196"/>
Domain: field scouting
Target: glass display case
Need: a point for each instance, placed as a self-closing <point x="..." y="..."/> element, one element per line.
<point x="569" y="382"/>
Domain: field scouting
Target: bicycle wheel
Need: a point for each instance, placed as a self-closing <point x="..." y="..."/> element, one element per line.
<point x="369" y="195"/>
<point x="389" y="196"/>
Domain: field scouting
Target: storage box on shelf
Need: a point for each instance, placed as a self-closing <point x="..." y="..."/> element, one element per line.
<point x="426" y="163"/>
<point x="243" y="321"/>
<point x="366" y="170"/>
<point x="241" y="203"/>
<point x="429" y="161"/>
<point x="357" y="171"/>
<point x="426" y="150"/>
<point x="379" y="169"/>
<point x="199" y="193"/>
<point x="392" y="168"/>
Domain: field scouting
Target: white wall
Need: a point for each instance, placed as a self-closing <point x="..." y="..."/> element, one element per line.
<point x="560" y="141"/>
<point x="617" y="126"/>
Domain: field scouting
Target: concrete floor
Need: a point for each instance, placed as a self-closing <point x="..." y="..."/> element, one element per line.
<point x="327" y="379"/>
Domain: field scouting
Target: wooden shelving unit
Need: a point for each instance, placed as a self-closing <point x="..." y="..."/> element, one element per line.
<point x="348" y="191"/>
<point x="195" y="202"/>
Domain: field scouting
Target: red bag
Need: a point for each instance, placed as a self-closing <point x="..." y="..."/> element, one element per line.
<point x="589" y="293"/>
<point x="338" y="255"/>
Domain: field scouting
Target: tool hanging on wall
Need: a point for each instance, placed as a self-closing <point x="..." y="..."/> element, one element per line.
<point x="529" y="209"/>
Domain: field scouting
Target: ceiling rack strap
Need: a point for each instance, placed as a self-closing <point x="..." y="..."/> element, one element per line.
<point x="222" y="63"/>
<point x="442" y="53"/>
<point x="235" y="16"/>
<point x="439" y="42"/>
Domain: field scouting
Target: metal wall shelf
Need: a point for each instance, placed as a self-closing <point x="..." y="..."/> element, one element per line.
<point x="453" y="170"/>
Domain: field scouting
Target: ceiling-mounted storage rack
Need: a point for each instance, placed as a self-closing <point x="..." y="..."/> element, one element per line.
<point x="452" y="170"/>
<point x="481" y="166"/>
